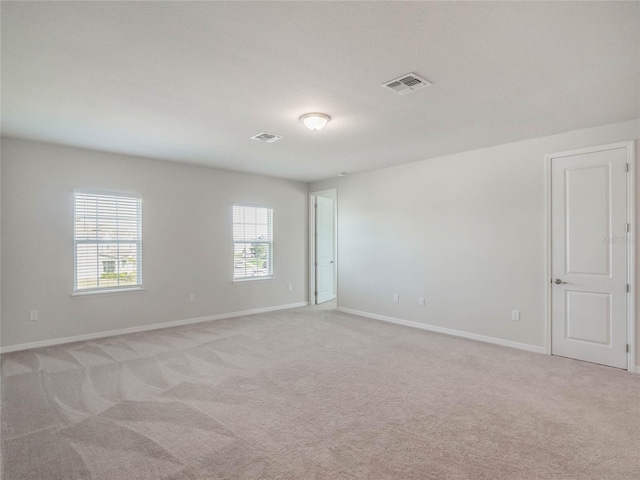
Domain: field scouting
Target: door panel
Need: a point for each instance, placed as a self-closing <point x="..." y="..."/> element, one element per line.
<point x="588" y="220"/>
<point x="589" y="256"/>
<point x="325" y="239"/>
<point x="589" y="317"/>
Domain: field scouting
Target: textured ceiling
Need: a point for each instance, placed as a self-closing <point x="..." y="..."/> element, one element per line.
<point x="193" y="81"/>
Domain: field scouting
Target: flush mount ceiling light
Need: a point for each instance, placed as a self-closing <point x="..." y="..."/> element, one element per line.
<point x="315" y="121"/>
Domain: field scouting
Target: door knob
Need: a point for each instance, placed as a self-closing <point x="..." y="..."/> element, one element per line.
<point x="557" y="281"/>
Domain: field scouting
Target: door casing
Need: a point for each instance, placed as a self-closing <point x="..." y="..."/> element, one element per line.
<point x="631" y="237"/>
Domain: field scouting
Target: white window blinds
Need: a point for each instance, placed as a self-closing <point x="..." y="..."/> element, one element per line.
<point x="253" y="242"/>
<point x="108" y="242"/>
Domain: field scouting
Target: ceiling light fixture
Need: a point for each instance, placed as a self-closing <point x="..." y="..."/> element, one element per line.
<point x="315" y="121"/>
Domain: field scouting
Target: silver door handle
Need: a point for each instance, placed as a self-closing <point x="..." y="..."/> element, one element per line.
<point x="557" y="281"/>
<point x="331" y="261"/>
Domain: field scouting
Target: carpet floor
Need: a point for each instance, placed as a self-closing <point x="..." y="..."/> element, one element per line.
<point x="312" y="394"/>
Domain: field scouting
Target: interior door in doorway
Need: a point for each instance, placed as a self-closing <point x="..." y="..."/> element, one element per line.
<point x="589" y="256"/>
<point x="325" y="251"/>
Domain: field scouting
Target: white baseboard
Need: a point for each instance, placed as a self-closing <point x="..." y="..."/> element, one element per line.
<point x="447" y="331"/>
<point x="145" y="328"/>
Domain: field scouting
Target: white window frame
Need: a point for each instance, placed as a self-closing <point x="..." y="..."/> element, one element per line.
<point x="269" y="243"/>
<point x="138" y="286"/>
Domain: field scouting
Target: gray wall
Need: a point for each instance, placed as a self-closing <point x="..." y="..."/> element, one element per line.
<point x="187" y="241"/>
<point x="466" y="231"/>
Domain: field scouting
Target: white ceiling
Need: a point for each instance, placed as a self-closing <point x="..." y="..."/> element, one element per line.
<point x="193" y="81"/>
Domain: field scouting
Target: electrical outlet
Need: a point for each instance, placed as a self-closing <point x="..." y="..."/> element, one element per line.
<point x="290" y="287"/>
<point x="515" y="315"/>
<point x="396" y="297"/>
<point x="33" y="315"/>
<point x="192" y="297"/>
<point x="421" y="301"/>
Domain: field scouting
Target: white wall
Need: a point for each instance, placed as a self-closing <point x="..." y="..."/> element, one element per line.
<point x="466" y="231"/>
<point x="187" y="241"/>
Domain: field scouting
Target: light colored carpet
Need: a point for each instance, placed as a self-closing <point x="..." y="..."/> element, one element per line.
<point x="312" y="394"/>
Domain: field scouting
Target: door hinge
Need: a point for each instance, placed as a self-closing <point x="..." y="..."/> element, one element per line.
<point x="627" y="168"/>
<point x="316" y="264"/>
<point x="628" y="227"/>
<point x="315" y="205"/>
<point x="628" y="288"/>
<point x="315" y="293"/>
<point x="627" y="348"/>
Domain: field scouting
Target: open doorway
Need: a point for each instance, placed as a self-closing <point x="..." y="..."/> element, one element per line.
<point x="323" y="256"/>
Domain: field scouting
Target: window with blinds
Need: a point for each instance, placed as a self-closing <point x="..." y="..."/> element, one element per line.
<point x="108" y="242"/>
<point x="252" y="242"/>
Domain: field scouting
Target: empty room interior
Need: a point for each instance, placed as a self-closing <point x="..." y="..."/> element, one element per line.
<point x="319" y="240"/>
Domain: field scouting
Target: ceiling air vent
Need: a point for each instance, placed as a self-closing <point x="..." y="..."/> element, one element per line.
<point x="267" y="137"/>
<point x="407" y="84"/>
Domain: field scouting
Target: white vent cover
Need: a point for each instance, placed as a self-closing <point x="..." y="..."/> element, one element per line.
<point x="267" y="137"/>
<point x="406" y="84"/>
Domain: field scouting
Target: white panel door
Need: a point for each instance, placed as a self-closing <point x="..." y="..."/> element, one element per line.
<point x="325" y="237"/>
<point x="589" y="256"/>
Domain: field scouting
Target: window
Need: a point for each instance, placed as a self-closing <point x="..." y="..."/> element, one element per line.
<point x="252" y="242"/>
<point x="108" y="242"/>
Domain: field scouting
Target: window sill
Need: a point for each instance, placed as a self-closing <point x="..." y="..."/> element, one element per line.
<point x="113" y="291"/>
<point x="253" y="279"/>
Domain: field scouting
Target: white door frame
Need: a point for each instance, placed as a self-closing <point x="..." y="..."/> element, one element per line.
<point x="631" y="242"/>
<point x="312" y="242"/>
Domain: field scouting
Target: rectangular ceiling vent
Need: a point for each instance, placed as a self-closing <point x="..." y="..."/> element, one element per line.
<point x="267" y="137"/>
<point x="406" y="84"/>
